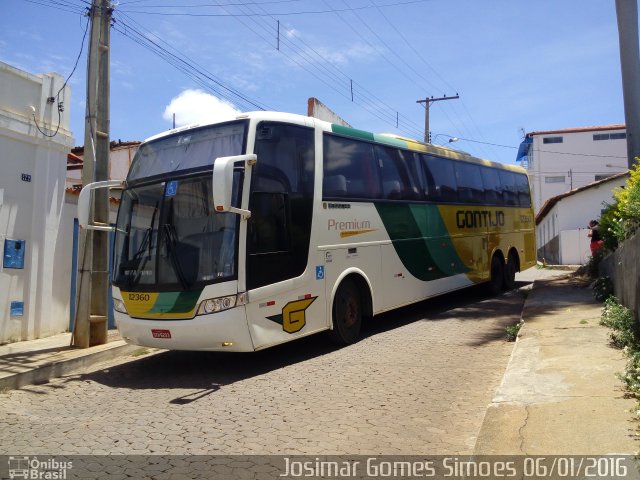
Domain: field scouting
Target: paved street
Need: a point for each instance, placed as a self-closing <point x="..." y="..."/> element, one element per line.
<point x="418" y="383"/>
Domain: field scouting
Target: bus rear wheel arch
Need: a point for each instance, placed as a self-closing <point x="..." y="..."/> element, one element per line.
<point x="351" y="305"/>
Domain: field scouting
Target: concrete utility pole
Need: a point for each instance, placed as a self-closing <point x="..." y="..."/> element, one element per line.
<point x="627" y="12"/>
<point x="90" y="327"/>
<point x="427" y="105"/>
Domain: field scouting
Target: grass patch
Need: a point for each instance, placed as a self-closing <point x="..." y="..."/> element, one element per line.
<point x="140" y="352"/>
<point x="512" y="331"/>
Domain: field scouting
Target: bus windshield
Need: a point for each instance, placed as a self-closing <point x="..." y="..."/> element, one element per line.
<point x="187" y="150"/>
<point x="168" y="235"/>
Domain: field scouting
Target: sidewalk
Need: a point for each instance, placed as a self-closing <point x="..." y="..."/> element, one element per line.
<point x="37" y="361"/>
<point x="560" y="394"/>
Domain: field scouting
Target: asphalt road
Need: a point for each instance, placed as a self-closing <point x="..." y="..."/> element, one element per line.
<point x="419" y="382"/>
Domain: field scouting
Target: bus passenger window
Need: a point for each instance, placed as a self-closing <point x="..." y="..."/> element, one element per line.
<point x="396" y="182"/>
<point x="442" y="179"/>
<point x="492" y="189"/>
<point x="353" y="160"/>
<point x="522" y="186"/>
<point x="509" y="192"/>
<point x="470" y="188"/>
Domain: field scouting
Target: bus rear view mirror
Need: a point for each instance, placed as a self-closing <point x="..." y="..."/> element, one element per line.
<point x="223" y="182"/>
<point x="84" y="204"/>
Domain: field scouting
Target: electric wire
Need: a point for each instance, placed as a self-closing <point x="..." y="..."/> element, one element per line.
<point x="418" y="55"/>
<point x="125" y="26"/>
<point x="307" y="12"/>
<point x="306" y="64"/>
<point x="65" y="7"/>
<point x="390" y="115"/>
<point x="57" y="95"/>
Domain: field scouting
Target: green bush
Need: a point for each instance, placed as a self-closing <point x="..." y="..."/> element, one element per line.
<point x="625" y="335"/>
<point x="622" y="219"/>
<point x="620" y="319"/>
<point x="602" y="288"/>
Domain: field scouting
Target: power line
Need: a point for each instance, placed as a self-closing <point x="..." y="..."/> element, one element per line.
<point x="268" y="14"/>
<point x="60" y="106"/>
<point x="325" y="68"/>
<point x="185" y="64"/>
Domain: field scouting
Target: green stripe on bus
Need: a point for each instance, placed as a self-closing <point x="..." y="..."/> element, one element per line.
<point x="176" y="302"/>
<point x="351" y="132"/>
<point x="421" y="240"/>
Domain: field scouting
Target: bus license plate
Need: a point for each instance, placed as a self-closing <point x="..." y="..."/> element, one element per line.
<point x="161" y="333"/>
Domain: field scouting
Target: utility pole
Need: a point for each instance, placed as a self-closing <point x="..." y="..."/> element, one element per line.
<point x="91" y="322"/>
<point x="627" y="13"/>
<point x="427" y="105"/>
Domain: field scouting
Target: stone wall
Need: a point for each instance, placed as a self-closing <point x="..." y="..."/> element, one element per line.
<point x="623" y="267"/>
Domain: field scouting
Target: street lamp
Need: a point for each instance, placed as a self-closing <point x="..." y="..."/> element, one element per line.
<point x="451" y="138"/>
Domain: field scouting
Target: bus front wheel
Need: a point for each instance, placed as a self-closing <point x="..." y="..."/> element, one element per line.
<point x="497" y="276"/>
<point x="347" y="313"/>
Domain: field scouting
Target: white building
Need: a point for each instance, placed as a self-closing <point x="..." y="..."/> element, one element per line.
<point x="561" y="224"/>
<point x="34" y="220"/>
<point x="558" y="161"/>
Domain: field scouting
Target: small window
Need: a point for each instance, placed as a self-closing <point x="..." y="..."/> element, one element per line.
<point x="603" y="176"/>
<point x="555" y="179"/>
<point x="552" y="140"/>
<point x="441" y="179"/>
<point x="609" y="136"/>
<point x="470" y="187"/>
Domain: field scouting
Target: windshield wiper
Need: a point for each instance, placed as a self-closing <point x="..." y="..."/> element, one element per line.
<point x="134" y="273"/>
<point x="172" y="240"/>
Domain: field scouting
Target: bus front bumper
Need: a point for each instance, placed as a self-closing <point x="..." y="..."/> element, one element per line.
<point x="225" y="331"/>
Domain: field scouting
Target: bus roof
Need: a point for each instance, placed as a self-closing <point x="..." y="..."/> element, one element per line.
<point x="383" y="138"/>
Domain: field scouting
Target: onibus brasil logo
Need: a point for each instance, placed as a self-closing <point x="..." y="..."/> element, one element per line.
<point x="33" y="468"/>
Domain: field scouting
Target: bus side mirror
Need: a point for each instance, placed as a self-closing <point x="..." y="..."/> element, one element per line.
<point x="84" y="204"/>
<point x="223" y="182"/>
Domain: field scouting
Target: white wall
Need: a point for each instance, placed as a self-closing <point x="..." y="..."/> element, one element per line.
<point x="569" y="217"/>
<point x="33" y="211"/>
<point x="574" y="247"/>
<point x="578" y="154"/>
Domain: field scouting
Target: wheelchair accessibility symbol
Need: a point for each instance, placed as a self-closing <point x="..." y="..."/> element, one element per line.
<point x="172" y="188"/>
<point x="320" y="272"/>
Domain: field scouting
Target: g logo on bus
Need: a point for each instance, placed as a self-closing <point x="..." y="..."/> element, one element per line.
<point x="293" y="318"/>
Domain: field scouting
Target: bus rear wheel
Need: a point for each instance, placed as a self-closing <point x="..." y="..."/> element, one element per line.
<point x="347" y="313"/>
<point x="497" y="276"/>
<point x="510" y="273"/>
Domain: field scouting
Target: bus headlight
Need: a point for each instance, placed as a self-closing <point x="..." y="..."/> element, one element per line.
<point x="118" y="306"/>
<point x="213" y="305"/>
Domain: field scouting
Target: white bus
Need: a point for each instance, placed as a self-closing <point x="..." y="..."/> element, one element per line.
<point x="244" y="234"/>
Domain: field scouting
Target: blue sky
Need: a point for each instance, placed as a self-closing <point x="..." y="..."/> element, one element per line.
<point x="517" y="65"/>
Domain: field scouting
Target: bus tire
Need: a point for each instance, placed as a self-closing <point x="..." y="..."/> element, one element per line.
<point x="347" y="313"/>
<point x="497" y="276"/>
<point x="510" y="273"/>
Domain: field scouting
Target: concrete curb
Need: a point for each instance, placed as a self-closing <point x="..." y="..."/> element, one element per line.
<point x="70" y="361"/>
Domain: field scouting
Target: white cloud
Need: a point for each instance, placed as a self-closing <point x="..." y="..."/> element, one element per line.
<point x="196" y="106"/>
